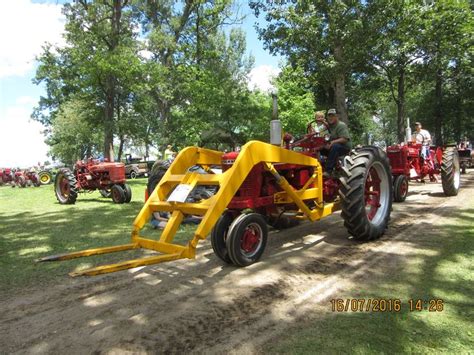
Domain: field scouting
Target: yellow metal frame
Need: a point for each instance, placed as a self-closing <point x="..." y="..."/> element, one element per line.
<point x="253" y="153"/>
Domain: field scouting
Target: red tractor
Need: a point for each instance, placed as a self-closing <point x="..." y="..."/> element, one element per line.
<point x="408" y="163"/>
<point x="19" y="178"/>
<point x="92" y="175"/>
<point x="32" y="178"/>
<point x="6" y="176"/>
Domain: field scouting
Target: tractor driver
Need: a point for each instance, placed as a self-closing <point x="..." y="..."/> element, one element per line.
<point x="340" y="140"/>
<point x="423" y="137"/>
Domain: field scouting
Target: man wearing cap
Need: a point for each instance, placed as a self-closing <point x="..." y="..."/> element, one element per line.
<point x="423" y="137"/>
<point x="340" y="140"/>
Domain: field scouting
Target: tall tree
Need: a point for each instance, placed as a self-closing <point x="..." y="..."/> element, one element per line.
<point x="97" y="63"/>
<point x="325" y="38"/>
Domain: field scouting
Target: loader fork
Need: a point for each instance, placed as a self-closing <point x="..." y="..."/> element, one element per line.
<point x="166" y="197"/>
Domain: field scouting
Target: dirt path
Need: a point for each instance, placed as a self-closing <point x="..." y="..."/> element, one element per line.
<point x="203" y="306"/>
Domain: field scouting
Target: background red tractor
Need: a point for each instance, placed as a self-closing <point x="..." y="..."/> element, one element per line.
<point x="6" y="176"/>
<point x="92" y="175"/>
<point x="407" y="163"/>
<point x="32" y="178"/>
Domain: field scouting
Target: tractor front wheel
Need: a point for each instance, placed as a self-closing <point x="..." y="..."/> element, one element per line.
<point x="219" y="236"/>
<point x="400" y="188"/>
<point x="366" y="193"/>
<point x="118" y="194"/>
<point x="65" y="187"/>
<point x="450" y="172"/>
<point x="247" y="239"/>
<point x="128" y="193"/>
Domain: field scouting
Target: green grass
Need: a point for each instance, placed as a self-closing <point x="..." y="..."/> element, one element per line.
<point x="442" y="267"/>
<point x="33" y="224"/>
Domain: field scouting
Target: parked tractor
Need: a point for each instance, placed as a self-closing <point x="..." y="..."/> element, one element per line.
<point x="92" y="175"/>
<point x="19" y="178"/>
<point x="408" y="163"/>
<point x="32" y="178"/>
<point x="258" y="185"/>
<point x="466" y="156"/>
<point x="6" y="176"/>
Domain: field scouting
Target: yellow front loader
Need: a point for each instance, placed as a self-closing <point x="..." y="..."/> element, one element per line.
<point x="237" y="218"/>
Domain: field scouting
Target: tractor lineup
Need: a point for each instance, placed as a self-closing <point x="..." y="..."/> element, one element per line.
<point x="19" y="178"/>
<point x="408" y="163"/>
<point x="90" y="175"/>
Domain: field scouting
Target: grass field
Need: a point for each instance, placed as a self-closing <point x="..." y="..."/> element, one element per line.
<point x="441" y="268"/>
<point x="33" y="224"/>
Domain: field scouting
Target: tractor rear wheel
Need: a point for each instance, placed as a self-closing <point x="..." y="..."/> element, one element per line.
<point x="247" y="238"/>
<point x="400" y="188"/>
<point x="118" y="194"/>
<point x="45" y="177"/>
<point x="128" y="193"/>
<point x="65" y="187"/>
<point x="450" y="172"/>
<point x="366" y="193"/>
<point x="219" y="236"/>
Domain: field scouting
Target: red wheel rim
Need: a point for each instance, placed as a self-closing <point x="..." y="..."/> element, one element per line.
<point x="372" y="193"/>
<point x="404" y="187"/>
<point x="116" y="195"/>
<point x="64" y="187"/>
<point x="251" y="239"/>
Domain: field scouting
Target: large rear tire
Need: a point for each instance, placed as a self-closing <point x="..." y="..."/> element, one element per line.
<point x="219" y="236"/>
<point x="65" y="187"/>
<point x="247" y="239"/>
<point x="366" y="193"/>
<point x="450" y="172"/>
<point x="400" y="188"/>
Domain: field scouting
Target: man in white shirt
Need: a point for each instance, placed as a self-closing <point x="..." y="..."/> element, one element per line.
<point x="422" y="136"/>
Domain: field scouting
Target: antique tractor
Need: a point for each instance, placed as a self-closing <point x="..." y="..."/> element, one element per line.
<point x="32" y="178"/>
<point x="6" y="176"/>
<point x="466" y="157"/>
<point x="408" y="163"/>
<point x="258" y="185"/>
<point x="92" y="175"/>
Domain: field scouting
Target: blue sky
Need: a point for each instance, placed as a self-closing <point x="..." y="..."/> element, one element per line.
<point x="24" y="26"/>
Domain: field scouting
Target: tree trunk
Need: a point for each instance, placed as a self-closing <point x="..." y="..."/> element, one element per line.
<point x="438" y="107"/>
<point x="120" y="150"/>
<point x="401" y="105"/>
<point x="340" y="85"/>
<point x="109" y="120"/>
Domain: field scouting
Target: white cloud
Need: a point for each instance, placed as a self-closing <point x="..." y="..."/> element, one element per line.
<point x="24" y="28"/>
<point x="21" y="141"/>
<point x="261" y="76"/>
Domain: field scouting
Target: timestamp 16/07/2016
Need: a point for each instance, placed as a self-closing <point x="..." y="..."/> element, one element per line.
<point x="386" y="305"/>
